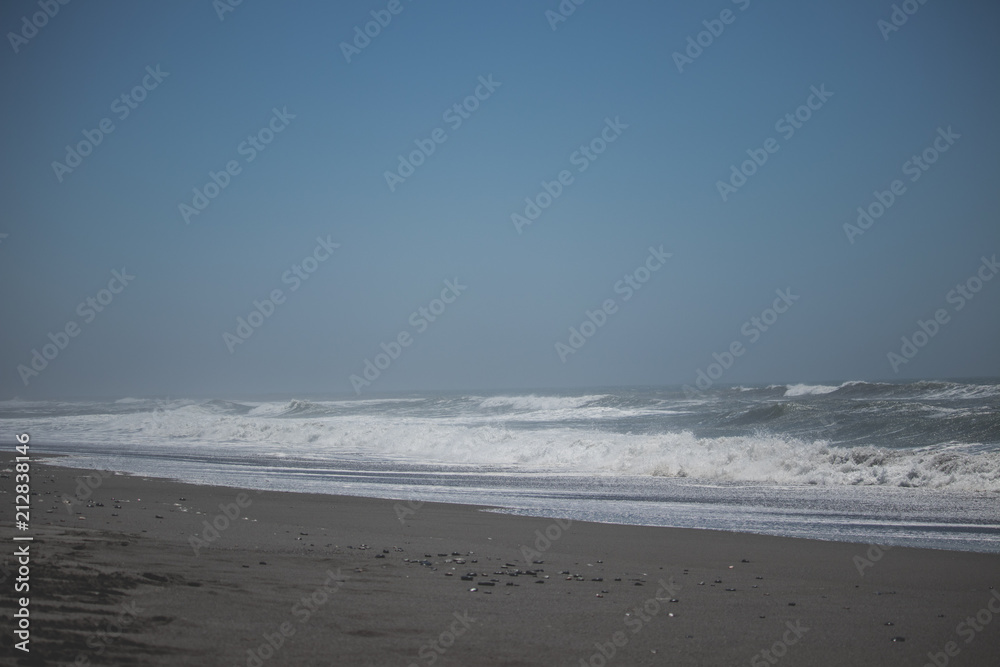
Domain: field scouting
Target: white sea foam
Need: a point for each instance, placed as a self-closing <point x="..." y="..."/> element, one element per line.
<point x="750" y="458"/>
<point x="533" y="402"/>
<point x="810" y="389"/>
<point x="964" y="391"/>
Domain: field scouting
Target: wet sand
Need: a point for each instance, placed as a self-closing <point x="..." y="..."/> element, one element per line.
<point x="117" y="579"/>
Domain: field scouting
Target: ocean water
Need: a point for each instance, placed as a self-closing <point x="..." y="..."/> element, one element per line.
<point x="902" y="464"/>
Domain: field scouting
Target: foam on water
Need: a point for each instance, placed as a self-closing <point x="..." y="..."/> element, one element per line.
<point x="917" y="462"/>
<point x="533" y="402"/>
<point x="808" y="389"/>
<point x="289" y="429"/>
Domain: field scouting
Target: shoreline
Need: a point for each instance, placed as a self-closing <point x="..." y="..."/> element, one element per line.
<point x="170" y="572"/>
<point x="823" y="513"/>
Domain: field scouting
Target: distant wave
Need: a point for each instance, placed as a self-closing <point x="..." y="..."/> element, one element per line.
<point x="963" y="391"/>
<point x="809" y="389"/>
<point x="533" y="402"/>
<point x="925" y="390"/>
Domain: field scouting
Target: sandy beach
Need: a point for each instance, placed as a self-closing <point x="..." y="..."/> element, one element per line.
<point x="137" y="571"/>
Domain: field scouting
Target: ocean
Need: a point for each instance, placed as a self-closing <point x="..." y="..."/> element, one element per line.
<point x="914" y="464"/>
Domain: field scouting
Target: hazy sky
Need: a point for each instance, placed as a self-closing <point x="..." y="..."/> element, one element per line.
<point x="640" y="137"/>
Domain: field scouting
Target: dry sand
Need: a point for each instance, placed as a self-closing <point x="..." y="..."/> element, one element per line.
<point x="116" y="580"/>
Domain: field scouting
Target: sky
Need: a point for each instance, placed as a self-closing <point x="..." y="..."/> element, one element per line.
<point x="602" y="194"/>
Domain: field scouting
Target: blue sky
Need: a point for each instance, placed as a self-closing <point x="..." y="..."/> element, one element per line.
<point x="323" y="176"/>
